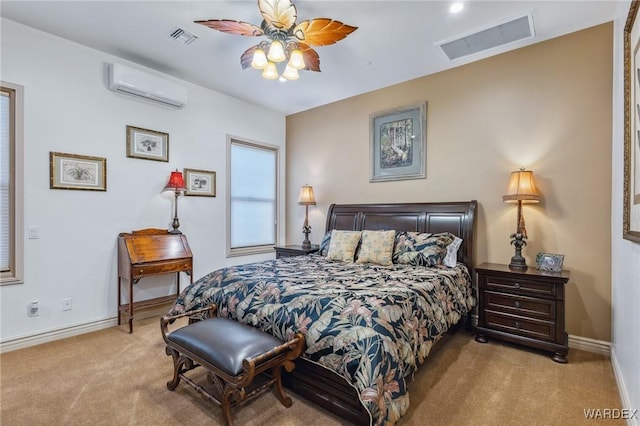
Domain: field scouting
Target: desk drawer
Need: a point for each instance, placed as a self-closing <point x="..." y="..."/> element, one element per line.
<point x="521" y="305"/>
<point x="523" y="326"/>
<point x="520" y="286"/>
<point x="142" y="270"/>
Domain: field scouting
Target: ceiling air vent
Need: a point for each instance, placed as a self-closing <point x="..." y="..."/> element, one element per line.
<point x="508" y="31"/>
<point x="182" y="35"/>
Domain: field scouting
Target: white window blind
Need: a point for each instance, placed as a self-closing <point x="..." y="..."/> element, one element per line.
<point x="6" y="184"/>
<point x="252" y="197"/>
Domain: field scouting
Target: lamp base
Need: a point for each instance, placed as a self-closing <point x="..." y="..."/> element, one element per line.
<point x="517" y="261"/>
<point x="306" y="245"/>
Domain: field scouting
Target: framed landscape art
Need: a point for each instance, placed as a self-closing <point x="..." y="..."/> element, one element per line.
<point x="631" y="205"/>
<point x="398" y="143"/>
<point x="71" y="171"/>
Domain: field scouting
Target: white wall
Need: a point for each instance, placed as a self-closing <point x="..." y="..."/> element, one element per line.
<point x="625" y="255"/>
<point x="69" y="109"/>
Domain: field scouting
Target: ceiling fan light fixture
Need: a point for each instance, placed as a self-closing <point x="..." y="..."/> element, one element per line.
<point x="296" y="60"/>
<point x="276" y="52"/>
<point x="290" y="73"/>
<point x="286" y="40"/>
<point x="259" y="60"/>
<point x="270" y="72"/>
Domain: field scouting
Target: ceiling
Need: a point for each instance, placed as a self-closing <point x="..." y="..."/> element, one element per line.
<point x="395" y="40"/>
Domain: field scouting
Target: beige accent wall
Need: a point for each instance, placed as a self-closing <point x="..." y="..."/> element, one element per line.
<point x="546" y="107"/>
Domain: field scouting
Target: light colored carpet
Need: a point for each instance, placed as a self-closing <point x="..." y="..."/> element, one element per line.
<point x="110" y="377"/>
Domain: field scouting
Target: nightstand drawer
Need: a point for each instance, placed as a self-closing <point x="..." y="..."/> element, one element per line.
<point x="520" y="286"/>
<point x="521" y="305"/>
<point x="530" y="327"/>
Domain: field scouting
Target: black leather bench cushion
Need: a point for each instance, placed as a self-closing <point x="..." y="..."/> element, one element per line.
<point x="223" y="342"/>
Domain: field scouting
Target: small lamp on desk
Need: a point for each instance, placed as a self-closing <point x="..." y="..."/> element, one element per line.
<point x="177" y="185"/>
<point x="522" y="189"/>
<point x="306" y="199"/>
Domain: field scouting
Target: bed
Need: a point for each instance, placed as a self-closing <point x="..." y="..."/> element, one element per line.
<point x="368" y="327"/>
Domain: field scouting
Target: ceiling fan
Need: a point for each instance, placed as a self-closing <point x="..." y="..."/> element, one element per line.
<point x="286" y="40"/>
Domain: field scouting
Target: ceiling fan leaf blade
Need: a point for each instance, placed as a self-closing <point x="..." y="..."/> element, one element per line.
<point x="247" y="57"/>
<point x="232" y="27"/>
<point x="322" y="31"/>
<point x="281" y="14"/>
<point x="311" y="58"/>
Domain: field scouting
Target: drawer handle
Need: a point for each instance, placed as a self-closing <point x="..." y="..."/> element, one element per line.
<point x="141" y="271"/>
<point x="517" y="324"/>
<point x="517" y="285"/>
<point x="517" y="304"/>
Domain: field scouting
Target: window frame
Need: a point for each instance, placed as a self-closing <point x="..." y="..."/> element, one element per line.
<point x="15" y="275"/>
<point x="257" y="249"/>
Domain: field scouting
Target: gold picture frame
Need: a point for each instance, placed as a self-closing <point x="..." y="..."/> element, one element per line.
<point x="631" y="204"/>
<point x="81" y="172"/>
<point x="147" y="144"/>
<point x="200" y="182"/>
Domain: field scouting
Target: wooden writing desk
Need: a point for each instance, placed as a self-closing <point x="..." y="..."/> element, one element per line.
<point x="150" y="252"/>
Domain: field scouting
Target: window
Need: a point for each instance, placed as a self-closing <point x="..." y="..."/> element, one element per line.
<point x="10" y="184"/>
<point x="252" y="202"/>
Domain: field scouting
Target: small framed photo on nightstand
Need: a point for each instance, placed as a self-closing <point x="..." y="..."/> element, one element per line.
<point x="549" y="262"/>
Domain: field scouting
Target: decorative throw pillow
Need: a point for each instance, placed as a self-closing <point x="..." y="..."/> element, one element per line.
<point x="324" y="245"/>
<point x="343" y="245"/>
<point x="421" y="248"/>
<point x="376" y="247"/>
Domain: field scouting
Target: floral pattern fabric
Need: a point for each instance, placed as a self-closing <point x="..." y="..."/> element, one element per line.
<point x="343" y="245"/>
<point x="421" y="248"/>
<point x="376" y="247"/>
<point x="373" y="325"/>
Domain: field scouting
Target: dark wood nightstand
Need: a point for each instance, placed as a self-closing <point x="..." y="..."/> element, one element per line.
<point x="295" y="250"/>
<point x="525" y="307"/>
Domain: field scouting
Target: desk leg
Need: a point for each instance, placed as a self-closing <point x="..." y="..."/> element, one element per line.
<point x="130" y="305"/>
<point x="119" y="299"/>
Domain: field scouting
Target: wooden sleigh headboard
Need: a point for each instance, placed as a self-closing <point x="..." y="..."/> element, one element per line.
<point x="459" y="218"/>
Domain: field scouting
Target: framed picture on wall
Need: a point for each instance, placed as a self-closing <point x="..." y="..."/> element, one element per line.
<point x="631" y="204"/>
<point x="147" y="144"/>
<point x="200" y="182"/>
<point x="71" y="171"/>
<point x="398" y="143"/>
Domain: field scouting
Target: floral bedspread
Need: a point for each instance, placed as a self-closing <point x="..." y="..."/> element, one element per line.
<point x="374" y="325"/>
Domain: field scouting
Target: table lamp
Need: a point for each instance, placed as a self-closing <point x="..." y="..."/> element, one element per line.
<point x="177" y="185"/>
<point x="306" y="199"/>
<point x="522" y="189"/>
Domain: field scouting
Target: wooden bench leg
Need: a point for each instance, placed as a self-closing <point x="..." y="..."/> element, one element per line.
<point x="179" y="361"/>
<point x="278" y="389"/>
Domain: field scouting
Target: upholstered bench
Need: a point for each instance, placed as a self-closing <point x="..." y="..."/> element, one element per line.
<point x="233" y="354"/>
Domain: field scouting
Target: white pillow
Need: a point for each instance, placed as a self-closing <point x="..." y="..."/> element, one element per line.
<point x="451" y="258"/>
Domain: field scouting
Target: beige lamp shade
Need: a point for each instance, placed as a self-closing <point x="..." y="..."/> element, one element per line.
<point x="306" y="197"/>
<point x="522" y="187"/>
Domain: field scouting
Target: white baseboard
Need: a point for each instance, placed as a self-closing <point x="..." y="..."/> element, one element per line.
<point x="49" y="336"/>
<point x="622" y="388"/>
<point x="590" y="345"/>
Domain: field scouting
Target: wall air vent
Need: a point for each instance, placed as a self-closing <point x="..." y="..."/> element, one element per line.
<point x="508" y="31"/>
<point x="182" y="35"/>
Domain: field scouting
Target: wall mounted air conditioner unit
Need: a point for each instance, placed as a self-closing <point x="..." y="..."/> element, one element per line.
<point x="124" y="79"/>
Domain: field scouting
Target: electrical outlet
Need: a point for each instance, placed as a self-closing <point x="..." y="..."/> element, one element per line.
<point x="66" y="304"/>
<point x="33" y="310"/>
